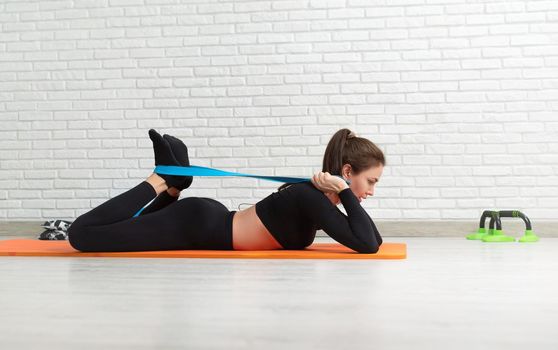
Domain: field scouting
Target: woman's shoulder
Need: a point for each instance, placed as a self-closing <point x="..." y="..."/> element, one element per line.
<point x="306" y="187"/>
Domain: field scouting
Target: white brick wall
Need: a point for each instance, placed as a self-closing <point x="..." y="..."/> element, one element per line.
<point x="461" y="95"/>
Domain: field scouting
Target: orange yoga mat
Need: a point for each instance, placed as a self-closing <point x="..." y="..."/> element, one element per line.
<point x="35" y="247"/>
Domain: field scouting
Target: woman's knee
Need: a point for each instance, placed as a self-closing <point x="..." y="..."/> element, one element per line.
<point x="77" y="236"/>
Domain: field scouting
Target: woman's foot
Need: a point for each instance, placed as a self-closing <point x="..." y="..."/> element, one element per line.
<point x="161" y="149"/>
<point x="164" y="156"/>
<point x="180" y="152"/>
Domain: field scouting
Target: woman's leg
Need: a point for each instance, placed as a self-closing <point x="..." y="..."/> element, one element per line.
<point x="162" y="200"/>
<point x="190" y="223"/>
<point x="125" y="204"/>
<point x="116" y="209"/>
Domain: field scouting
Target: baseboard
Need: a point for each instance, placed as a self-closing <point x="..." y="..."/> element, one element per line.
<point x="387" y="228"/>
<point x="512" y="227"/>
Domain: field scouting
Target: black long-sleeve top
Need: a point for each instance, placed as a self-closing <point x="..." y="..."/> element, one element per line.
<point x="293" y="215"/>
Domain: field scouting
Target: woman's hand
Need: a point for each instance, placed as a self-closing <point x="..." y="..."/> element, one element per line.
<point x="328" y="183"/>
<point x="333" y="197"/>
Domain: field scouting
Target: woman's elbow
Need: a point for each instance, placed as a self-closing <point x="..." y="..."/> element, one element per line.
<point x="372" y="249"/>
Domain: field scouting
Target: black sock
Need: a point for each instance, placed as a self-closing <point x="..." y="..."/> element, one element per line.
<point x="180" y="152"/>
<point x="164" y="156"/>
<point x="162" y="149"/>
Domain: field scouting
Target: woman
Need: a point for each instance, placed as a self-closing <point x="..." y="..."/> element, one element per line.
<point x="286" y="219"/>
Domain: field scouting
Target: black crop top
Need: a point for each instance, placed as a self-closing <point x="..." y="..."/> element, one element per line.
<point x="293" y="214"/>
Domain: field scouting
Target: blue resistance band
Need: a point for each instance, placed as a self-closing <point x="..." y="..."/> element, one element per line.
<point x="194" y="170"/>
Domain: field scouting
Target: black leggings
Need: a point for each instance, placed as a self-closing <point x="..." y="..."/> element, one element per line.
<point x="166" y="224"/>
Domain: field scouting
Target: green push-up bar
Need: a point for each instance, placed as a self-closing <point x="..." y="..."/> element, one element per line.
<point x="495" y="234"/>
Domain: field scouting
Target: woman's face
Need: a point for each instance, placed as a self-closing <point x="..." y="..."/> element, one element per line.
<point x="363" y="184"/>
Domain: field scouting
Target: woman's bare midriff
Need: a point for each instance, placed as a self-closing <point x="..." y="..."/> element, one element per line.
<point x="249" y="233"/>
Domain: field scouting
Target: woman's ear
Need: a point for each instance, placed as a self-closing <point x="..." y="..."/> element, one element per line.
<point x="346" y="171"/>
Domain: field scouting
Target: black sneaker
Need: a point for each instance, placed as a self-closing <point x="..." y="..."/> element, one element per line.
<point x="61" y="225"/>
<point x="53" y="235"/>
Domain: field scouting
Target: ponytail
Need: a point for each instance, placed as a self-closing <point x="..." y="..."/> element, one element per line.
<point x="345" y="147"/>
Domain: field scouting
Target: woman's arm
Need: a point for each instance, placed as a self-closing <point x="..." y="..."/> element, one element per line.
<point x="354" y="230"/>
<point x="376" y="232"/>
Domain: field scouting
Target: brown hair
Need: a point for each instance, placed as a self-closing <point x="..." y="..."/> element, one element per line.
<point x="345" y="147"/>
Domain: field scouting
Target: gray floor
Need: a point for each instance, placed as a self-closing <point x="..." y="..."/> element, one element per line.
<point x="449" y="293"/>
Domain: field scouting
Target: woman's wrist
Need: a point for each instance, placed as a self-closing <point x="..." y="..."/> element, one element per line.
<point x="345" y="186"/>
